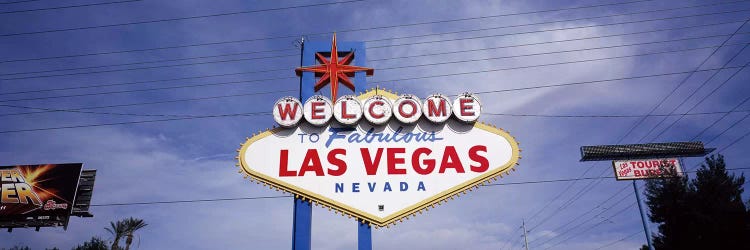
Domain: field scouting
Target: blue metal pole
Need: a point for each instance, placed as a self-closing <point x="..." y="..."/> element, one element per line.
<point x="301" y="230"/>
<point x="302" y="227"/>
<point x="364" y="239"/>
<point x="643" y="216"/>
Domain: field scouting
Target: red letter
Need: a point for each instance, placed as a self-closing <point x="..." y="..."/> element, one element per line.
<point x="311" y="163"/>
<point x="484" y="164"/>
<point x="284" y="164"/>
<point x="371" y="165"/>
<point x="432" y="110"/>
<point x="287" y="111"/>
<point x="429" y="163"/>
<point x="393" y="161"/>
<point x="317" y="108"/>
<point x="413" y="109"/>
<point x="451" y="160"/>
<point x="466" y="106"/>
<point x="372" y="112"/>
<point x="343" y="112"/>
<point x="337" y="162"/>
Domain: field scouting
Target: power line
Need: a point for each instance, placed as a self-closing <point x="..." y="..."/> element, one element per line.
<point x="177" y="18"/>
<point x="189" y="201"/>
<point x="147" y="62"/>
<point x="278" y="196"/>
<point x="392" y="80"/>
<point x="727" y="129"/>
<point x="132" y="104"/>
<point x="420" y="55"/>
<point x="718" y="151"/>
<point x="321" y="33"/>
<point x="588" y="187"/>
<point x="149" y="67"/>
<point x="720" y="118"/>
<point x="132" y="114"/>
<point x="704" y="98"/>
<point x="149" y="89"/>
<point x="598" y="215"/>
<point x="375" y="47"/>
<point x="69" y="7"/>
<point x="435" y="34"/>
<point x="611" y="116"/>
<point x="558" y="29"/>
<point x="601" y="205"/>
<point x="620" y="240"/>
<point x="23" y="1"/>
<point x="134" y="122"/>
<point x="596" y="225"/>
<point x="689" y="171"/>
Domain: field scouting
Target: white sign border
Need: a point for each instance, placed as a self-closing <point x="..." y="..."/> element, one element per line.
<point x="399" y="216"/>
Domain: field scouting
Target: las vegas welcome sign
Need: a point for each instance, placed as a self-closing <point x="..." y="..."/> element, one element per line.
<point x="378" y="157"/>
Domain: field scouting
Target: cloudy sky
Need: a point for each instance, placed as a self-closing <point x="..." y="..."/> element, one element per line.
<point x="77" y="86"/>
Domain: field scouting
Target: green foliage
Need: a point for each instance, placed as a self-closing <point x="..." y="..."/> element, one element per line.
<point x="704" y="213"/>
<point x="94" y="244"/>
<point x="17" y="247"/>
<point x="118" y="230"/>
<point x="131" y="226"/>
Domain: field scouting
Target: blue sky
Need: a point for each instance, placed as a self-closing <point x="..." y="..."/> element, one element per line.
<point x="193" y="159"/>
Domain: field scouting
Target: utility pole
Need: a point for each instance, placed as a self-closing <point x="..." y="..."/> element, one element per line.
<point x="525" y="240"/>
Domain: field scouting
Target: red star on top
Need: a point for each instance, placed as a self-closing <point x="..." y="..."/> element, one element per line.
<point x="334" y="70"/>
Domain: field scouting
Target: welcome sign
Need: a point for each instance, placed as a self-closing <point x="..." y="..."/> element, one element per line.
<point x="378" y="157"/>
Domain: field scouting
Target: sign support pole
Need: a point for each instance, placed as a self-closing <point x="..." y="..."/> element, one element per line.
<point x="302" y="227"/>
<point x="364" y="236"/>
<point x="643" y="216"/>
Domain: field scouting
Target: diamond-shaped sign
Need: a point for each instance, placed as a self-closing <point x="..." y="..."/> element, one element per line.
<point x="379" y="173"/>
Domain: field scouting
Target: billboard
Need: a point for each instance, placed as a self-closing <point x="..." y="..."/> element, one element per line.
<point x="646" y="168"/>
<point x="37" y="195"/>
<point x="378" y="156"/>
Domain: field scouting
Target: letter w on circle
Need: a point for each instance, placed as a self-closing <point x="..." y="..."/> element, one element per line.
<point x="287" y="111"/>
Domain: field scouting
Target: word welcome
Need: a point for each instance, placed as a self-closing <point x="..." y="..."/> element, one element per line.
<point x="378" y="110"/>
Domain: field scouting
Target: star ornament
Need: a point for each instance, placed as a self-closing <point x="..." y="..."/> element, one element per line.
<point x="334" y="70"/>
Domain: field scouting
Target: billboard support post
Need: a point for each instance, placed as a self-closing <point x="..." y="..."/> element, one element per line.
<point x="643" y="216"/>
<point x="303" y="213"/>
<point x="302" y="217"/>
<point x="302" y="235"/>
<point x="644" y="161"/>
<point x="364" y="233"/>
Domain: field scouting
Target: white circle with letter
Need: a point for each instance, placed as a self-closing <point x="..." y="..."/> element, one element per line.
<point x="377" y="110"/>
<point x="287" y="111"/>
<point x="407" y="109"/>
<point x="347" y="110"/>
<point x="318" y="110"/>
<point x="467" y="107"/>
<point x="437" y="108"/>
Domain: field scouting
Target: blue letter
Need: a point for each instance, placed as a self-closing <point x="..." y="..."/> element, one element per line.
<point x="371" y="185"/>
<point x="335" y="134"/>
<point x="387" y="187"/>
<point x="339" y="187"/>
<point x="421" y="186"/>
<point x="355" y="187"/>
<point x="404" y="186"/>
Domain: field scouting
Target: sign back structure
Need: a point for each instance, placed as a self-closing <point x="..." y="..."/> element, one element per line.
<point x="41" y="195"/>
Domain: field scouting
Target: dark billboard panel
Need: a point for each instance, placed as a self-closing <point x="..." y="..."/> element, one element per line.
<point x="35" y="194"/>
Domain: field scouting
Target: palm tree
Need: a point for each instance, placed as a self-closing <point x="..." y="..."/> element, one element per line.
<point x="117" y="229"/>
<point x="132" y="225"/>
